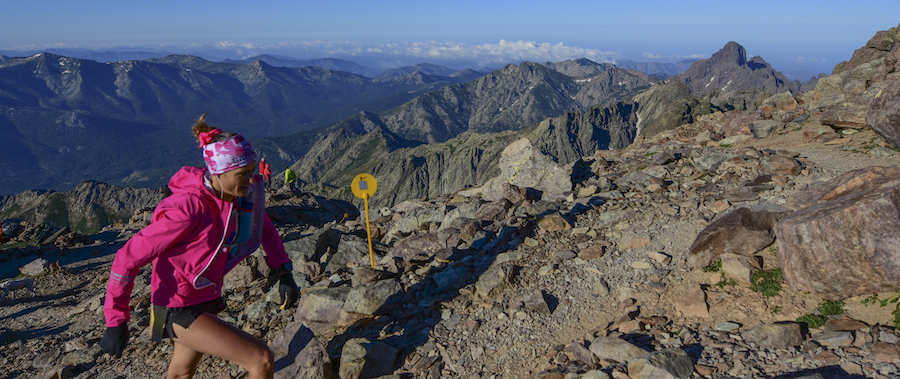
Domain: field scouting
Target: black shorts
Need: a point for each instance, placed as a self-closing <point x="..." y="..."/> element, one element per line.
<point x="185" y="316"/>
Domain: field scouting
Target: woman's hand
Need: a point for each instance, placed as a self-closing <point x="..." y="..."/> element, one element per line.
<point x="287" y="288"/>
<point x="114" y="340"/>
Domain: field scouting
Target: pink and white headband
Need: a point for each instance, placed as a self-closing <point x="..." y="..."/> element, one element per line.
<point x="226" y="155"/>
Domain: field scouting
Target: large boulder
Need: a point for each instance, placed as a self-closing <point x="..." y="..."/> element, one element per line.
<point x="844" y="242"/>
<point x="299" y="355"/>
<point x="883" y="113"/>
<point x="323" y="309"/>
<point x="523" y="165"/>
<point x="361" y="358"/>
<point x="742" y="232"/>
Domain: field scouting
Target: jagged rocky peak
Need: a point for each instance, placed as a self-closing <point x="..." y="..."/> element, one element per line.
<point x="730" y="70"/>
<point x="732" y="52"/>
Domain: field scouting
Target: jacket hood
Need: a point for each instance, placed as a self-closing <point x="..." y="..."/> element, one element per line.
<point x="189" y="180"/>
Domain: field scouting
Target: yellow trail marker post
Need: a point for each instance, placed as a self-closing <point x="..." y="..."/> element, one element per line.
<point x="364" y="186"/>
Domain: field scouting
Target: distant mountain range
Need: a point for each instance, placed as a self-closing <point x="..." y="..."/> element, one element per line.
<point x="66" y="120"/>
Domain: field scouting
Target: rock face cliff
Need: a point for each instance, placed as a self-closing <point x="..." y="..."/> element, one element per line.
<point x="406" y="171"/>
<point x="730" y="70"/>
<point x="512" y="98"/>
<point x="87" y="208"/>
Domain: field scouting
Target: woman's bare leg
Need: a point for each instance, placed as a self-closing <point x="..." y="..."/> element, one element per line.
<point x="184" y="362"/>
<point x="209" y="335"/>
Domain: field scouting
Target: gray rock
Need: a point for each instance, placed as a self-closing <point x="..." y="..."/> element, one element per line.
<point x="762" y="128"/>
<point x="495" y="280"/>
<point x="615" y="349"/>
<point x="361" y="358"/>
<point x="35" y="267"/>
<point x="664" y="364"/>
<point x="450" y="278"/>
<point x="566" y="254"/>
<point x="351" y="250"/>
<point x="423" y="246"/>
<point x="536" y="302"/>
<point x="299" y="355"/>
<point x="834" y="339"/>
<point x="525" y="166"/>
<point x="325" y="306"/>
<point x="373" y="298"/>
<point x="778" y="335"/>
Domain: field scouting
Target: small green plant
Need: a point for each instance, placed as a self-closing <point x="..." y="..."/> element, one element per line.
<point x="714" y="267"/>
<point x="767" y="282"/>
<point x="774" y="251"/>
<point x="830" y="307"/>
<point x="717" y="267"/>
<point x="826" y="308"/>
<point x="729" y="282"/>
<point x="812" y="321"/>
<point x="725" y="145"/>
<point x="775" y="310"/>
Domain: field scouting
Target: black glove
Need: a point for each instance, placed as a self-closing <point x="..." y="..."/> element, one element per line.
<point x="114" y="340"/>
<point x="287" y="288"/>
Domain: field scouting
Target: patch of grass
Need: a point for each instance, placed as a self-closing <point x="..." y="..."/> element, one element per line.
<point x="775" y="310"/>
<point x="729" y="282"/>
<point x="767" y="282"/>
<point x="812" y="321"/>
<point x="826" y="308"/>
<point x="714" y="267"/>
<point x="830" y="307"/>
<point x="717" y="267"/>
<point x="725" y="145"/>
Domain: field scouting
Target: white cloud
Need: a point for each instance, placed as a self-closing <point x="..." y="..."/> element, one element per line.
<point x="673" y="57"/>
<point x="484" y="54"/>
<point x="806" y="60"/>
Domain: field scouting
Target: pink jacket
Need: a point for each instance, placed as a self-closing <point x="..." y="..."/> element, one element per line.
<point x="185" y="243"/>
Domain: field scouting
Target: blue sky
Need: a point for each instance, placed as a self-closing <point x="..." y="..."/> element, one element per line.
<point x="793" y="35"/>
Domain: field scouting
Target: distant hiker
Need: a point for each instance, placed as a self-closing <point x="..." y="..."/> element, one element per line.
<point x="290" y="178"/>
<point x="266" y="171"/>
<point x="214" y="219"/>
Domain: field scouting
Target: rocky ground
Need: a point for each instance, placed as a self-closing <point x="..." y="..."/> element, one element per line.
<point x="617" y="272"/>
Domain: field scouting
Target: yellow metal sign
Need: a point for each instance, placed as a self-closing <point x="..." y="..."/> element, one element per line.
<point x="364" y="186"/>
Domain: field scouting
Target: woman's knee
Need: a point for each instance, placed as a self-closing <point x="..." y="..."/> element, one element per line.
<point x="263" y="359"/>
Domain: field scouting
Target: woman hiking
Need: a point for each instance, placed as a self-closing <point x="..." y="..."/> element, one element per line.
<point x="214" y="218"/>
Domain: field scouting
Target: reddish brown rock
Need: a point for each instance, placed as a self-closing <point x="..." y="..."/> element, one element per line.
<point x="883" y="113"/>
<point x="742" y="232"/>
<point x="423" y="245"/>
<point x="781" y="165"/>
<point x="885" y="352"/>
<point x="844" y="243"/>
<point x="591" y="252"/>
<point x="553" y="222"/>
<point x="738" y="122"/>
<point x="513" y="193"/>
<point x="693" y="303"/>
